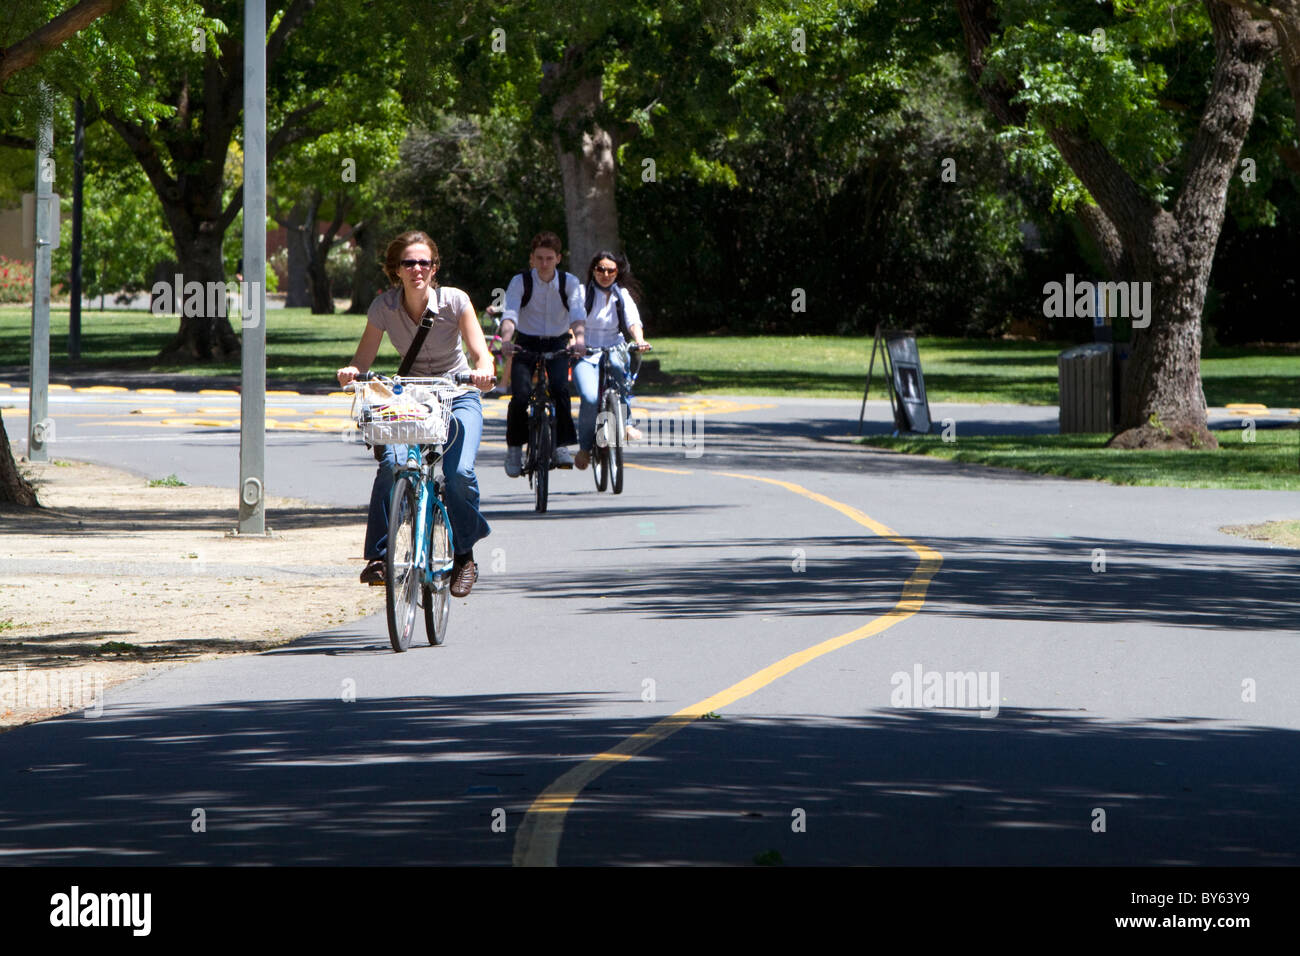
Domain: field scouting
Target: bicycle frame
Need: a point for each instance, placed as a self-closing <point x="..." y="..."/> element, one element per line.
<point x="430" y="496"/>
<point x="540" y="397"/>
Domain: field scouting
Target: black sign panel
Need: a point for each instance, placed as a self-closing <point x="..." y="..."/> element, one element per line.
<point x="913" y="411"/>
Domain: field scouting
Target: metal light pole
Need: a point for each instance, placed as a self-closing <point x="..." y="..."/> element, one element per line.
<point x="78" y="179"/>
<point x="252" y="298"/>
<point x="38" y="400"/>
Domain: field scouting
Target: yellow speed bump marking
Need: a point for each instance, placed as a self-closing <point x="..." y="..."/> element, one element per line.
<point x="666" y="471"/>
<point x="101" y="389"/>
<point x="199" y="422"/>
<point x="60" y="388"/>
<point x="217" y="391"/>
<point x="282" y="392"/>
<point x="537" y="842"/>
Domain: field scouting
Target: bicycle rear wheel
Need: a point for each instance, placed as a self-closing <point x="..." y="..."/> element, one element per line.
<point x="542" y="461"/>
<point x="614" y="416"/>
<point x="401" y="576"/>
<point x="437" y="597"/>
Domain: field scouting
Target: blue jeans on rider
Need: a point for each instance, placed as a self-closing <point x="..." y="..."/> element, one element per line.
<point x="586" y="376"/>
<point x="460" y="490"/>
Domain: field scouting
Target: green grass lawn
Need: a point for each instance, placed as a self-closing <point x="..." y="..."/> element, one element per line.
<point x="302" y="348"/>
<point x="1272" y="461"/>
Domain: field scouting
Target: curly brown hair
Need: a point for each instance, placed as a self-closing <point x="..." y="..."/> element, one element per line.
<point x="393" y="256"/>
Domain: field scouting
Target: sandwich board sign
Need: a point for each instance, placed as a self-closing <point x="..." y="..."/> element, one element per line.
<point x="902" y="363"/>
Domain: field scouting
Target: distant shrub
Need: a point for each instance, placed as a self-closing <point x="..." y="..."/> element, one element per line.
<point x="15" y="280"/>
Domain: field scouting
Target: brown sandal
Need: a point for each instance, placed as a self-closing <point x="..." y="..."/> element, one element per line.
<point x="462" y="579"/>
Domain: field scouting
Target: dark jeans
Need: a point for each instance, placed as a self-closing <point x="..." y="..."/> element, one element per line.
<point x="461" y="490"/>
<point x="521" y="390"/>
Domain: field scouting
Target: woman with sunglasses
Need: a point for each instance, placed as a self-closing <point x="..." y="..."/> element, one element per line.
<point x="609" y="285"/>
<point x="411" y="262"/>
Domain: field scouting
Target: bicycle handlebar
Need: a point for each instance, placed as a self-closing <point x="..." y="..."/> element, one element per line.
<point x="632" y="347"/>
<point x="527" y="355"/>
<point x="460" y="378"/>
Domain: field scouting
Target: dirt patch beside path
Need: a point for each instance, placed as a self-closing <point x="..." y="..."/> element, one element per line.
<point x="113" y="579"/>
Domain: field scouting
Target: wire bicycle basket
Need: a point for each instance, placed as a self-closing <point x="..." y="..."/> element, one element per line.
<point x="410" y="411"/>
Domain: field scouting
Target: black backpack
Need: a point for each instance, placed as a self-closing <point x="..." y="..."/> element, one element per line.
<point x="617" y="293"/>
<point x="527" y="276"/>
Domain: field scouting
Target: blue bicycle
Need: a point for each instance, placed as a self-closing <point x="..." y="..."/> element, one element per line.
<point x="415" y="412"/>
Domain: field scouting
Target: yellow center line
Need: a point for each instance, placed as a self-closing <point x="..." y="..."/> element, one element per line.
<point x="538" y="841"/>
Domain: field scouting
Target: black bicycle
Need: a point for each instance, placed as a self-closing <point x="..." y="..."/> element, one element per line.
<point x="607" y="453"/>
<point x="541" y="424"/>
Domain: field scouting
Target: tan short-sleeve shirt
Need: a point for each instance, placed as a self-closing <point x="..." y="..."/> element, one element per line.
<point x="442" y="353"/>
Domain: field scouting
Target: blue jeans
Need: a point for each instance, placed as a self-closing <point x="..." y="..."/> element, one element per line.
<point x="586" y="375"/>
<point x="461" y="484"/>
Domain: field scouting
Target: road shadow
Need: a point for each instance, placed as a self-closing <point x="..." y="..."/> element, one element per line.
<point x="422" y="780"/>
<point x="982" y="578"/>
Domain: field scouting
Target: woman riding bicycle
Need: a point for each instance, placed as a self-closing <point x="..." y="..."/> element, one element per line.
<point x="411" y="262"/>
<point x="611" y="315"/>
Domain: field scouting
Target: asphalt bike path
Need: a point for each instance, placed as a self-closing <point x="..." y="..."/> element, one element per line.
<point x="1117" y="690"/>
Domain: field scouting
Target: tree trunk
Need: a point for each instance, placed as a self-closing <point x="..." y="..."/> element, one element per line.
<point x="585" y="152"/>
<point x="297" y="293"/>
<point x="1163" y="380"/>
<point x="322" y="301"/>
<point x="205" y="332"/>
<point x="367" y="278"/>
<point x="1163" y="402"/>
<point x="322" y="296"/>
<point x="14" y="488"/>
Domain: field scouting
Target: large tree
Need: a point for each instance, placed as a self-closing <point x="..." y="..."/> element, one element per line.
<point x="1155" y="192"/>
<point x="325" y="72"/>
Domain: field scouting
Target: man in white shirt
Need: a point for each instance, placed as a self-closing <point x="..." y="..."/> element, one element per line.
<point x="544" y="305"/>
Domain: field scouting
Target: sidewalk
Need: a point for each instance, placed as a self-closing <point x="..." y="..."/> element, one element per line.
<point x="113" y="580"/>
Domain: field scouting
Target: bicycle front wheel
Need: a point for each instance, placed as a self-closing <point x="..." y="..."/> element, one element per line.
<point x="600" y="451"/>
<point x="614" y="416"/>
<point x="542" y="462"/>
<point x="437" y="597"/>
<point x="401" y="576"/>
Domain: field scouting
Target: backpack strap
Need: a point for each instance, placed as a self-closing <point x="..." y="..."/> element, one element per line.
<point x="527" y="276"/>
<point x="426" y="323"/>
<point x="624" y="329"/>
<point x="617" y="293"/>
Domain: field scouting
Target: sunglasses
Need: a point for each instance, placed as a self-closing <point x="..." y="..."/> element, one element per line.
<point x="413" y="263"/>
<point x="604" y="271"/>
